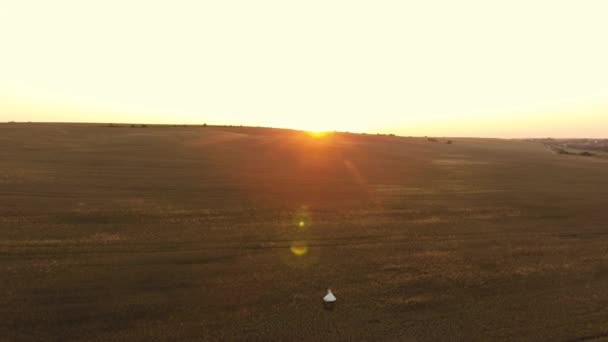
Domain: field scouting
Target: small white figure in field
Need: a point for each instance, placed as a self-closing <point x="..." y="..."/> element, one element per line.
<point x="329" y="300"/>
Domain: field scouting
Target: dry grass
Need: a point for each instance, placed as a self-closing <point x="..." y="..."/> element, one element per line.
<point x="188" y="233"/>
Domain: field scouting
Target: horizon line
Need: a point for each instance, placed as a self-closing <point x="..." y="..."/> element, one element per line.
<point x="296" y="129"/>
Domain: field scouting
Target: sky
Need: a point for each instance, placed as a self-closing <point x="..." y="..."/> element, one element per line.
<point x="532" y="68"/>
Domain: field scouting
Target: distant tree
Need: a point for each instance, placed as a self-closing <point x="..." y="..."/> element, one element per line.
<point x="449" y="142"/>
<point x="204" y="125"/>
<point x="143" y="126"/>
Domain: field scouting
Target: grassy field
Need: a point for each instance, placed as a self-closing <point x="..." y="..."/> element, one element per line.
<point x="233" y="233"/>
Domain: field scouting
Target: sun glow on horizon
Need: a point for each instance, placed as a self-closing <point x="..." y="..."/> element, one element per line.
<point x="317" y="134"/>
<point x="471" y="68"/>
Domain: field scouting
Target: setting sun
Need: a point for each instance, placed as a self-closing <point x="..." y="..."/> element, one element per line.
<point x="317" y="134"/>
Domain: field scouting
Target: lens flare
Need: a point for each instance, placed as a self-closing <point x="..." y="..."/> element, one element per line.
<point x="301" y="218"/>
<point x="299" y="248"/>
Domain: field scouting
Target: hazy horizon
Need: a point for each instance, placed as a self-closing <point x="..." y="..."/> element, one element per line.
<point x="522" y="69"/>
<point x="161" y="124"/>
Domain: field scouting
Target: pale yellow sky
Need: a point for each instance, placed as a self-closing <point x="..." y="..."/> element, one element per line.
<point x="454" y="68"/>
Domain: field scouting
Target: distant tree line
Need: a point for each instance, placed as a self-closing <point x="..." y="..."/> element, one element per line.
<point x="435" y="140"/>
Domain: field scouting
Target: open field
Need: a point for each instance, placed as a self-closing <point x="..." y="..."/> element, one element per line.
<point x="230" y="233"/>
